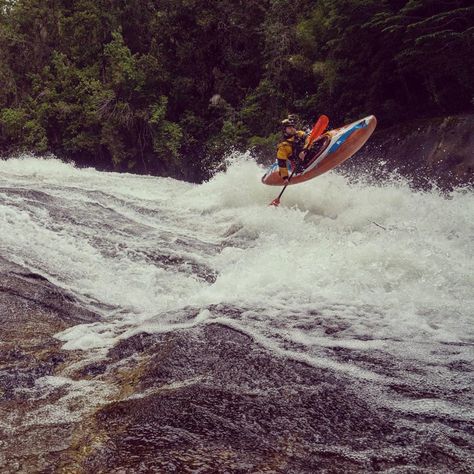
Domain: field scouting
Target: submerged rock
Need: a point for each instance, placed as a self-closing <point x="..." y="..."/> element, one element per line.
<point x="32" y="310"/>
<point x="211" y="400"/>
<point x="206" y="399"/>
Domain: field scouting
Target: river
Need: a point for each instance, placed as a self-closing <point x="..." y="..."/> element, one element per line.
<point x="367" y="284"/>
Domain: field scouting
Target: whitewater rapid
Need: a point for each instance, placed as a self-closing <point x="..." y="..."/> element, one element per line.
<point x="372" y="281"/>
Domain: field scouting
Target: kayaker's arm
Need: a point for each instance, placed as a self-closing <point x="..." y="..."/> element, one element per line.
<point x="302" y="153"/>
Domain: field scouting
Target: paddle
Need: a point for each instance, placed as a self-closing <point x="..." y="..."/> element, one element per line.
<point x="317" y="130"/>
<point x="276" y="201"/>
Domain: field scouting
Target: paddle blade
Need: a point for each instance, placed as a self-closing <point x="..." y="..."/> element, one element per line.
<point x="318" y="129"/>
<point x="275" y="202"/>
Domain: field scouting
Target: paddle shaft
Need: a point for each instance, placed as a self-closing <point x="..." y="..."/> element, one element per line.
<point x="287" y="183"/>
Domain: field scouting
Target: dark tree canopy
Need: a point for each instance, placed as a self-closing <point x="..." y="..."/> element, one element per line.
<point x="168" y="86"/>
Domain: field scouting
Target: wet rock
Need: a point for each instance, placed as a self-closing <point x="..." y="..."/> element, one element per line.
<point x="211" y="400"/>
<point x="427" y="151"/>
<point x="32" y="310"/>
<point x="206" y="399"/>
<point x="182" y="265"/>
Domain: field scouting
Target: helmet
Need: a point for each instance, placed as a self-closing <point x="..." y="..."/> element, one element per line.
<point x="288" y="122"/>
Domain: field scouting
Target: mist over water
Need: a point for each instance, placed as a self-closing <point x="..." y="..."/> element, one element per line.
<point x="371" y="281"/>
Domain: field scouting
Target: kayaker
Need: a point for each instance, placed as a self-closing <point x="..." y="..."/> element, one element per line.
<point x="291" y="148"/>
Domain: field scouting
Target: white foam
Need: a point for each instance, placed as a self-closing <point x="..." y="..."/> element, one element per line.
<point x="79" y="397"/>
<point x="356" y="266"/>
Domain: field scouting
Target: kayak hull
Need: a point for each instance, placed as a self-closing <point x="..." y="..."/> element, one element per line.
<point x="335" y="147"/>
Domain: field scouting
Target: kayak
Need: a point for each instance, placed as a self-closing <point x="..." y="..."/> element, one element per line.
<point x="328" y="151"/>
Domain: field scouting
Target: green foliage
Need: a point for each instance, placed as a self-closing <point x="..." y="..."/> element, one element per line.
<point x="167" y="136"/>
<point x="233" y="134"/>
<point x="399" y="59"/>
<point x="18" y="129"/>
<point x="166" y="87"/>
<point x="35" y="136"/>
<point x="264" y="146"/>
<point x="12" y="122"/>
<point x="122" y="71"/>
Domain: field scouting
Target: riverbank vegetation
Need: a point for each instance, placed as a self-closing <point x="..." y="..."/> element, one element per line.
<point x="168" y="86"/>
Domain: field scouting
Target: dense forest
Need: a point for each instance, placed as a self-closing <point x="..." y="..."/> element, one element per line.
<point x="168" y="86"/>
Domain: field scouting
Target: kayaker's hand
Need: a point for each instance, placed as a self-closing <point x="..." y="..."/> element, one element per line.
<point x="302" y="155"/>
<point x="285" y="179"/>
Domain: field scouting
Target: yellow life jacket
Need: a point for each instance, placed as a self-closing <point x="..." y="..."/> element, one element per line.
<point x="289" y="149"/>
